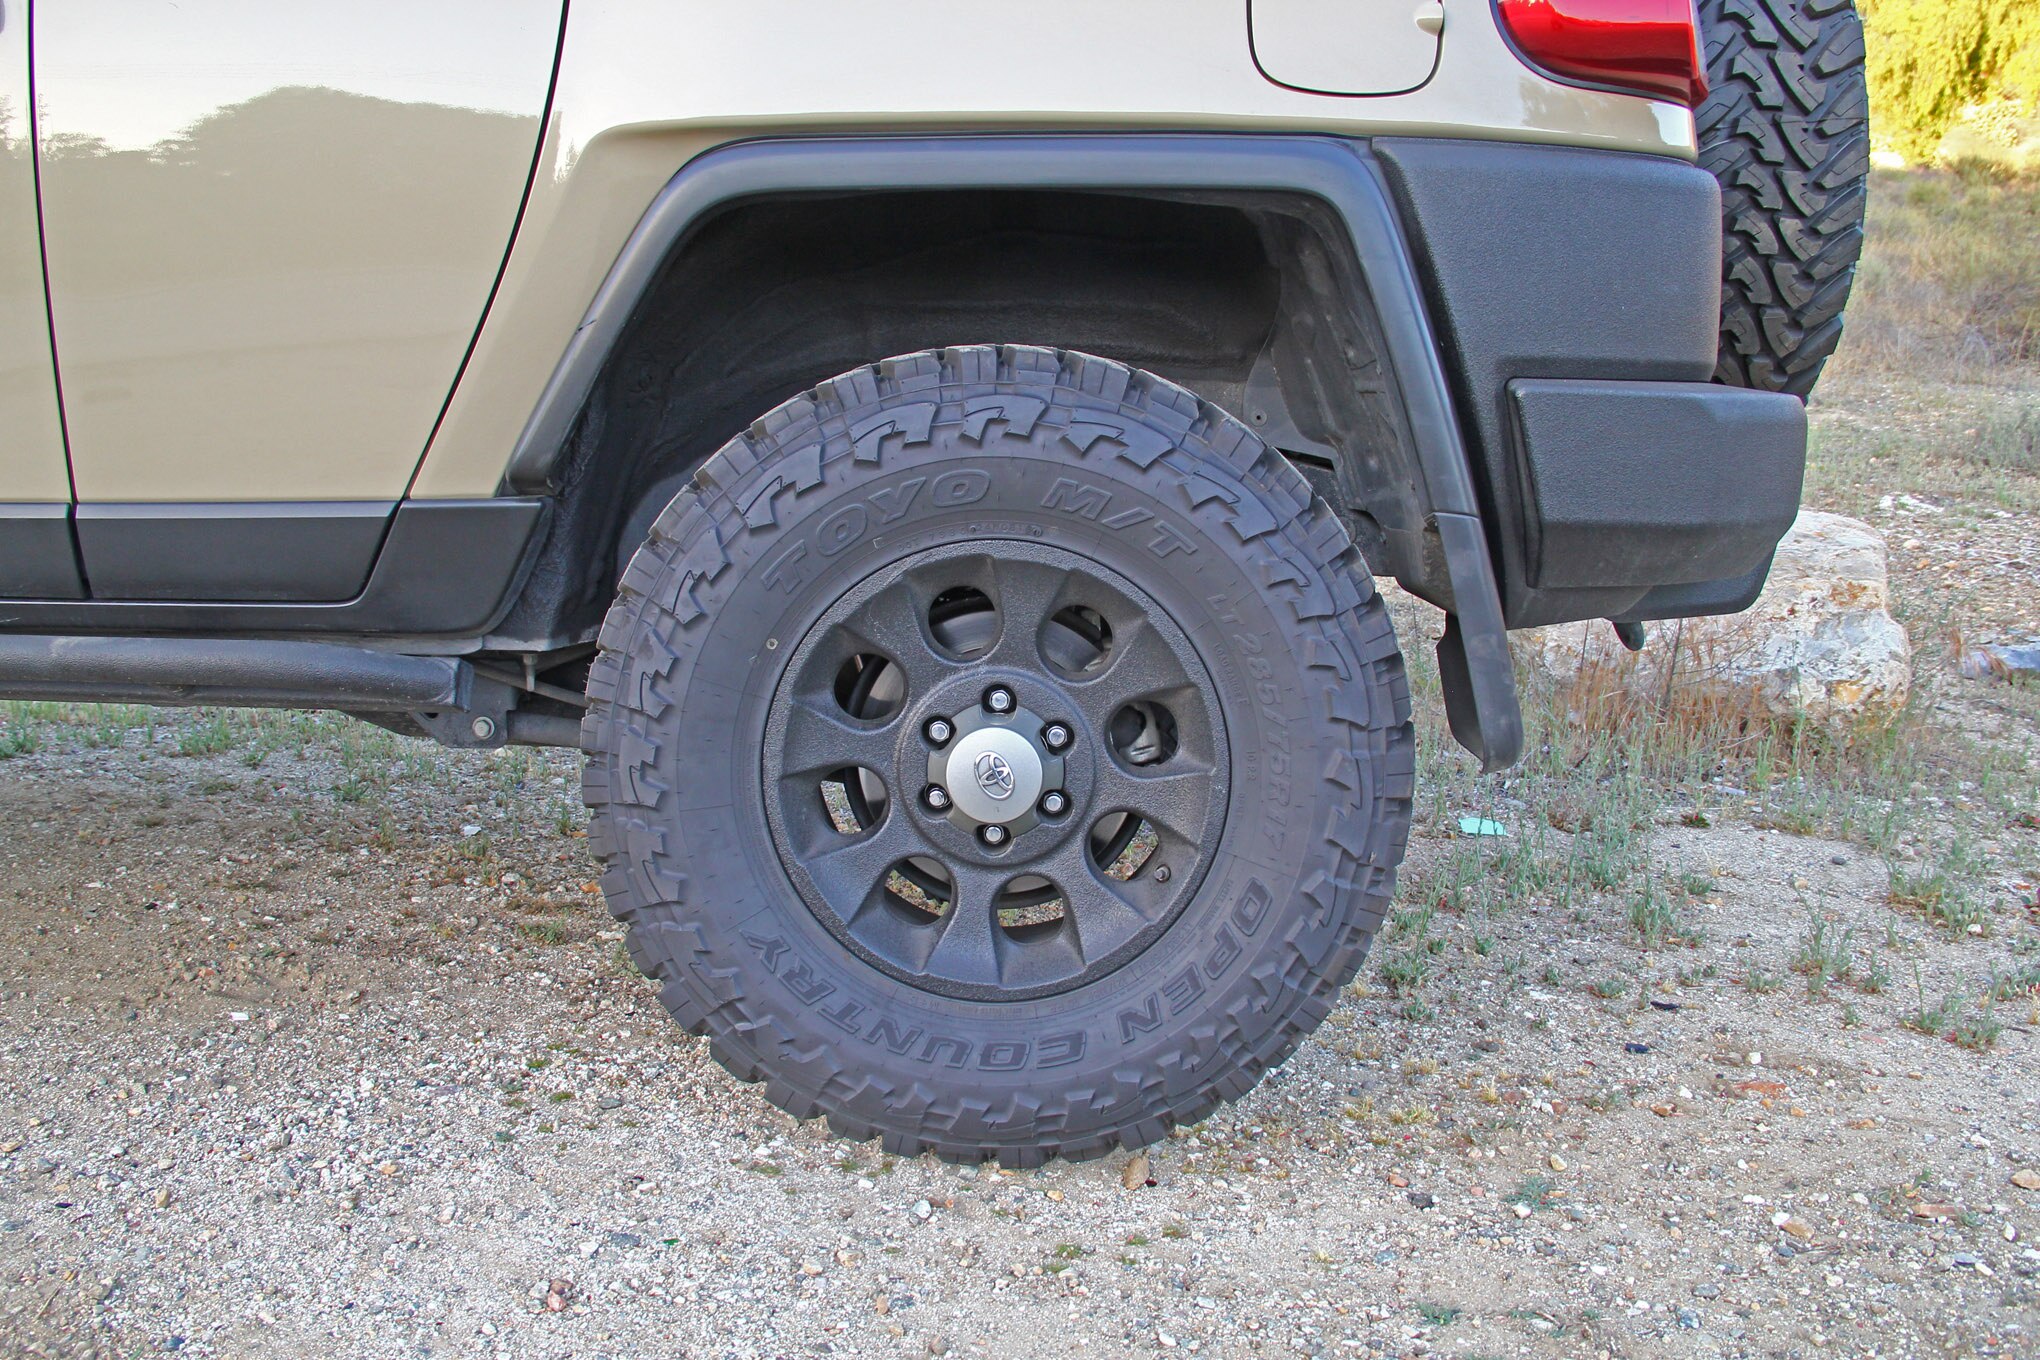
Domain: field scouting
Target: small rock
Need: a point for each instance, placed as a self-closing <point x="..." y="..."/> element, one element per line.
<point x="1792" y="1226"/>
<point x="938" y="1345"/>
<point x="1707" y="1291"/>
<point x="1423" y="1199"/>
<point x="2026" y="1178"/>
<point x="923" y="1210"/>
<point x="1134" y="1174"/>
<point x="1689" y="1319"/>
<point x="559" y="1295"/>
<point x="1555" y="1162"/>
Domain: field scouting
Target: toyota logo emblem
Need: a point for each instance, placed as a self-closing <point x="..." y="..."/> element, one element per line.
<point x="995" y="776"/>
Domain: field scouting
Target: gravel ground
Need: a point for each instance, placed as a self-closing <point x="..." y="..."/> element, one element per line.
<point x="288" y="1074"/>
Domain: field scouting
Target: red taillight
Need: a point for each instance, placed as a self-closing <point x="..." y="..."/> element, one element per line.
<point x="1651" y="46"/>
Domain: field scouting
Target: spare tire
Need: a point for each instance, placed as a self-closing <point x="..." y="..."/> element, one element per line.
<point x="1786" y="129"/>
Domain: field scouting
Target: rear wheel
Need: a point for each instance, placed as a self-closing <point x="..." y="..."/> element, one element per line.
<point x="999" y="750"/>
<point x="1786" y="129"/>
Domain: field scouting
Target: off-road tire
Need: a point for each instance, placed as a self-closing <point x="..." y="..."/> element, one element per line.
<point x="979" y="445"/>
<point x="1786" y="129"/>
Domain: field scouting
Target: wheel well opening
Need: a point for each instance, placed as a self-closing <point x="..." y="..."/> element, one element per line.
<point x="1254" y="302"/>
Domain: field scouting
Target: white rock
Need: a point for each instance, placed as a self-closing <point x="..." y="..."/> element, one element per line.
<point x="1819" y="644"/>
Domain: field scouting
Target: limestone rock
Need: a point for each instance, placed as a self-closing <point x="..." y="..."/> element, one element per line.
<point x="1819" y="645"/>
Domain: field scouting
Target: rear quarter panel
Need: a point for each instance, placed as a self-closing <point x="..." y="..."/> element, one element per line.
<point x="646" y="85"/>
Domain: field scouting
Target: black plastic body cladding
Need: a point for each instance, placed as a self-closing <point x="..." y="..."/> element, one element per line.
<point x="1552" y="262"/>
<point x="1653" y="484"/>
<point x="315" y="551"/>
<point x="37" y="555"/>
<point x="446" y="571"/>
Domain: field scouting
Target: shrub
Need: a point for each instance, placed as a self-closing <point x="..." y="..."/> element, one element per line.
<point x="1926" y="59"/>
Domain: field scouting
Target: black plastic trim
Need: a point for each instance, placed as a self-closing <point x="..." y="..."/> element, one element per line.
<point x="283" y="551"/>
<point x="1647" y="484"/>
<point x="1730" y="595"/>
<point x="447" y="569"/>
<point x="185" y="671"/>
<point x="1340" y="173"/>
<point x="1556" y="262"/>
<point x="37" y="556"/>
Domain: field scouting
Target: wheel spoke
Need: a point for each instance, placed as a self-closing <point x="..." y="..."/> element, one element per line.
<point x="1142" y="664"/>
<point x="847" y="873"/>
<point x="820" y="739"/>
<point x="1026" y="594"/>
<point x="968" y="951"/>
<point x="893" y="624"/>
<point x="1175" y="797"/>
<point x="1096" y="909"/>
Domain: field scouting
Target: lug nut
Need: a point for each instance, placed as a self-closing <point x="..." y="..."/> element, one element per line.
<point x="938" y="731"/>
<point x="993" y="835"/>
<point x="999" y="699"/>
<point x="1055" y="736"/>
<point x="1055" y="803"/>
<point x="936" y="797"/>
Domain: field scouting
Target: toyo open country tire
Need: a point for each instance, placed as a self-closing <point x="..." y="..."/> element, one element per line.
<point x="1786" y="129"/>
<point x="1038" y="479"/>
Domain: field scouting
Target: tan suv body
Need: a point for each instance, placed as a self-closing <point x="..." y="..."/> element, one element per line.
<point x="369" y="357"/>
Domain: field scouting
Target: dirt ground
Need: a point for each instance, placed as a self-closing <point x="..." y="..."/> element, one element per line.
<point x="287" y="1074"/>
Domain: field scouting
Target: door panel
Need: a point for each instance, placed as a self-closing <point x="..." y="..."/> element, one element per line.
<point x="1370" y="47"/>
<point x="272" y="230"/>
<point x="36" y="558"/>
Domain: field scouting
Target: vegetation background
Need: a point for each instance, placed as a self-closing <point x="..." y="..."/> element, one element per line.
<point x="1936" y="65"/>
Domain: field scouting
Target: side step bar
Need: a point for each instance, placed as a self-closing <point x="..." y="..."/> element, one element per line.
<point x="232" y="672"/>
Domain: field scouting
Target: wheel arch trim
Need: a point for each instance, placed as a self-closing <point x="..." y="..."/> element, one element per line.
<point x="1481" y="698"/>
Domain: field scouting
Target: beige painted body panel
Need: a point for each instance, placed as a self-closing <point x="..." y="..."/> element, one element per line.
<point x="646" y="85"/>
<point x="272" y="229"/>
<point x="31" y="438"/>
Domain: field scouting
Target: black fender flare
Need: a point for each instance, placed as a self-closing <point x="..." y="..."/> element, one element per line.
<point x="1473" y="656"/>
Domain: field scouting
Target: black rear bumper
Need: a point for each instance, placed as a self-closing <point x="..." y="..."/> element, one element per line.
<point x="1650" y="486"/>
<point x="1577" y="296"/>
